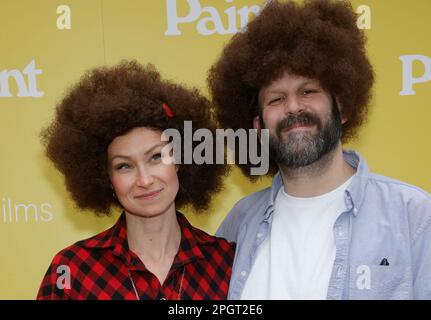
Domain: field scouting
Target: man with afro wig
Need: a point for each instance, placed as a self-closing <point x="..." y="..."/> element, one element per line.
<point x="327" y="228"/>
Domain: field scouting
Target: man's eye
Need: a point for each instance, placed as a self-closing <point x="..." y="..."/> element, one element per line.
<point x="308" y="92"/>
<point x="275" y="100"/>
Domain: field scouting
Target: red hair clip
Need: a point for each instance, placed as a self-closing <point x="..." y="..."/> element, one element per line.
<point x="168" y="110"/>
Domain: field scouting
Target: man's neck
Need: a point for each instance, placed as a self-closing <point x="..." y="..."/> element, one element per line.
<point x="318" y="178"/>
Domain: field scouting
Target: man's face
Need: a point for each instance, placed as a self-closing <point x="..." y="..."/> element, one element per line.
<point x="303" y="120"/>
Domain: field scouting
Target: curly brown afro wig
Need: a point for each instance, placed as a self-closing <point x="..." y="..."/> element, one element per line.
<point x="318" y="39"/>
<point x="110" y="101"/>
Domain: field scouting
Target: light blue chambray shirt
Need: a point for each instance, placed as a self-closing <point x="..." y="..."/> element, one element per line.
<point x="383" y="219"/>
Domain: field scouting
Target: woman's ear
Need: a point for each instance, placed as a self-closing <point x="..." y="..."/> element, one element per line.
<point x="114" y="195"/>
<point x="256" y="123"/>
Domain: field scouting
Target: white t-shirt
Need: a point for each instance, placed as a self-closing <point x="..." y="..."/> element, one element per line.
<point x="295" y="261"/>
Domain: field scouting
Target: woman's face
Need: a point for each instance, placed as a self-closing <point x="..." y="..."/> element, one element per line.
<point x="144" y="184"/>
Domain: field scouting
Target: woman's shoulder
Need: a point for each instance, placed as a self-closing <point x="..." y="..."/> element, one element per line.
<point x="68" y="268"/>
<point x="215" y="241"/>
<point x="206" y="242"/>
<point x="84" y="248"/>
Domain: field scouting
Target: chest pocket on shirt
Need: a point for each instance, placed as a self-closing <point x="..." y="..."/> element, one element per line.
<point x="379" y="282"/>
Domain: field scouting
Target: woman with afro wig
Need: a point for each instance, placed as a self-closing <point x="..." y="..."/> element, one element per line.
<point x="107" y="140"/>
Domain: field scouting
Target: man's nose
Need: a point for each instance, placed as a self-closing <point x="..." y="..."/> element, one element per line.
<point x="292" y="105"/>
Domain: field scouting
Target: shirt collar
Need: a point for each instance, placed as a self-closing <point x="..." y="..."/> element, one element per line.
<point x="354" y="192"/>
<point x="115" y="238"/>
<point x="277" y="183"/>
<point x="192" y="241"/>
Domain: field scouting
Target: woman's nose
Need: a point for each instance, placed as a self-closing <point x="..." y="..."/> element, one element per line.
<point x="144" y="178"/>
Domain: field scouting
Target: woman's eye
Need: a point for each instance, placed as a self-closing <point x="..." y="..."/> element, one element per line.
<point x="122" y="166"/>
<point x="156" y="156"/>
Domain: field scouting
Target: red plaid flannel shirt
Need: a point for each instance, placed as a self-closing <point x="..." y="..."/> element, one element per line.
<point x="100" y="268"/>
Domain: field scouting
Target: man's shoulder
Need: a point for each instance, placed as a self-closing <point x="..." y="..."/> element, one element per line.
<point x="257" y="198"/>
<point x="251" y="204"/>
<point x="397" y="187"/>
<point x="244" y="211"/>
<point x="404" y="200"/>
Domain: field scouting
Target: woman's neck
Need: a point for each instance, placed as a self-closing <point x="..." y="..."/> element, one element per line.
<point x="155" y="240"/>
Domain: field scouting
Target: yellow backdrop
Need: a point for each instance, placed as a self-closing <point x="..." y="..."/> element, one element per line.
<point x="48" y="44"/>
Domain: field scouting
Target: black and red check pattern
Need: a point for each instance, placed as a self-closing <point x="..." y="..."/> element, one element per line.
<point x="100" y="266"/>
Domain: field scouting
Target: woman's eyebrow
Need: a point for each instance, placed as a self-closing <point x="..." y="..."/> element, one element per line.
<point x="145" y="153"/>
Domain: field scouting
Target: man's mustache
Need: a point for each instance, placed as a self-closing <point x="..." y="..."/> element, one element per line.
<point x="298" y="119"/>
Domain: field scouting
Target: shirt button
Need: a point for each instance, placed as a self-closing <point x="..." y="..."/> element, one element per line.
<point x="355" y="210"/>
<point x="340" y="271"/>
<point x="243" y="273"/>
<point x="259" y="235"/>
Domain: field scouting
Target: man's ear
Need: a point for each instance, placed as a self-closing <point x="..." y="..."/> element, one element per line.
<point x="340" y="109"/>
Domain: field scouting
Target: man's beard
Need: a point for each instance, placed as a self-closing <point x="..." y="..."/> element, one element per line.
<point x="299" y="149"/>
